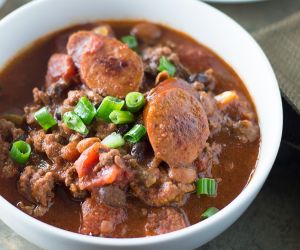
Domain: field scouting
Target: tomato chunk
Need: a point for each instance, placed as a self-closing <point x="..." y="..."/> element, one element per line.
<point x="87" y="160"/>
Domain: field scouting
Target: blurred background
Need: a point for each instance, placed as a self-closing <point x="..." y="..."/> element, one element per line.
<point x="273" y="220"/>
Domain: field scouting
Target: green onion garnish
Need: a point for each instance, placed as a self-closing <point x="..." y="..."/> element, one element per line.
<point x="134" y="101"/>
<point x="166" y="65"/>
<point x="73" y="121"/>
<point x="108" y="105"/>
<point x="209" y="212"/>
<point x="206" y="186"/>
<point x="135" y="134"/>
<point x="121" y="117"/>
<point x="85" y="110"/>
<point x="44" y="118"/>
<point x="20" y="152"/>
<point x="130" y="41"/>
<point x="113" y="140"/>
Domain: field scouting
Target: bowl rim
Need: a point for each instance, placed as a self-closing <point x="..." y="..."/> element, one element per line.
<point x="244" y="197"/>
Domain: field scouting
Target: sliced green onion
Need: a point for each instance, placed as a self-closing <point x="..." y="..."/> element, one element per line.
<point x="85" y="110"/>
<point x="44" y="118"/>
<point x="108" y="105"/>
<point x="209" y="212"/>
<point x="20" y="152"/>
<point x="206" y="186"/>
<point x="121" y="117"/>
<point x="130" y="41"/>
<point x="166" y="65"/>
<point x="134" y="101"/>
<point x="113" y="140"/>
<point x="135" y="134"/>
<point x="73" y="121"/>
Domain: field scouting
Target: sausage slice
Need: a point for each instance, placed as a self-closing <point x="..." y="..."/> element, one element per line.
<point x="176" y="123"/>
<point x="105" y="63"/>
<point x="174" y="83"/>
<point x="60" y="68"/>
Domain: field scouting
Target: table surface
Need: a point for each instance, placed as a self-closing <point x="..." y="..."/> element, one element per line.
<point x="272" y="221"/>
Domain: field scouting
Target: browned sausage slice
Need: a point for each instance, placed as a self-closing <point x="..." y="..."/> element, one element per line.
<point x="177" y="125"/>
<point x="174" y="83"/>
<point x="105" y="63"/>
<point x="60" y="68"/>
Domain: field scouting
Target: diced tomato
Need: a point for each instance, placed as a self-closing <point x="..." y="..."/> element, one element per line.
<point x="107" y="175"/>
<point x="87" y="160"/>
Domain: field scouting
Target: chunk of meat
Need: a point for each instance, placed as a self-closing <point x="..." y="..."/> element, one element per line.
<point x="102" y="129"/>
<point x="206" y="79"/>
<point x="99" y="219"/>
<point x="208" y="158"/>
<point x="46" y="143"/>
<point x="37" y="186"/>
<point x="60" y="69"/>
<point x="165" y="220"/>
<point x="183" y="174"/>
<point x="105" y="63"/>
<point x="245" y="131"/>
<point x="29" y="111"/>
<point x="8" y="133"/>
<point x="72" y="181"/>
<point x="146" y="32"/>
<point x="155" y="188"/>
<point x="112" y="195"/>
<point x="152" y="55"/>
<point x="41" y="97"/>
<point x="176" y="124"/>
<point x="208" y="102"/>
<point x="33" y="210"/>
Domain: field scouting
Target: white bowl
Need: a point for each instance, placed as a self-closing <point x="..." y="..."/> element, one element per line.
<point x="205" y="24"/>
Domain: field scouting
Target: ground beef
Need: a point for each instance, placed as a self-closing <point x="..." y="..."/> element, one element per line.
<point x="208" y="158"/>
<point x="107" y="158"/>
<point x="40" y="97"/>
<point x="165" y="220"/>
<point x="37" y="186"/>
<point x="151" y="56"/>
<point x="9" y="131"/>
<point x="207" y="80"/>
<point x="29" y="111"/>
<point x="245" y="131"/>
<point x="183" y="174"/>
<point x="158" y="189"/>
<point x="73" y="97"/>
<point x="71" y="181"/>
<point x="112" y="195"/>
<point x="8" y="134"/>
<point x="33" y="210"/>
<point x="46" y="143"/>
<point x="99" y="219"/>
<point x="102" y="129"/>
